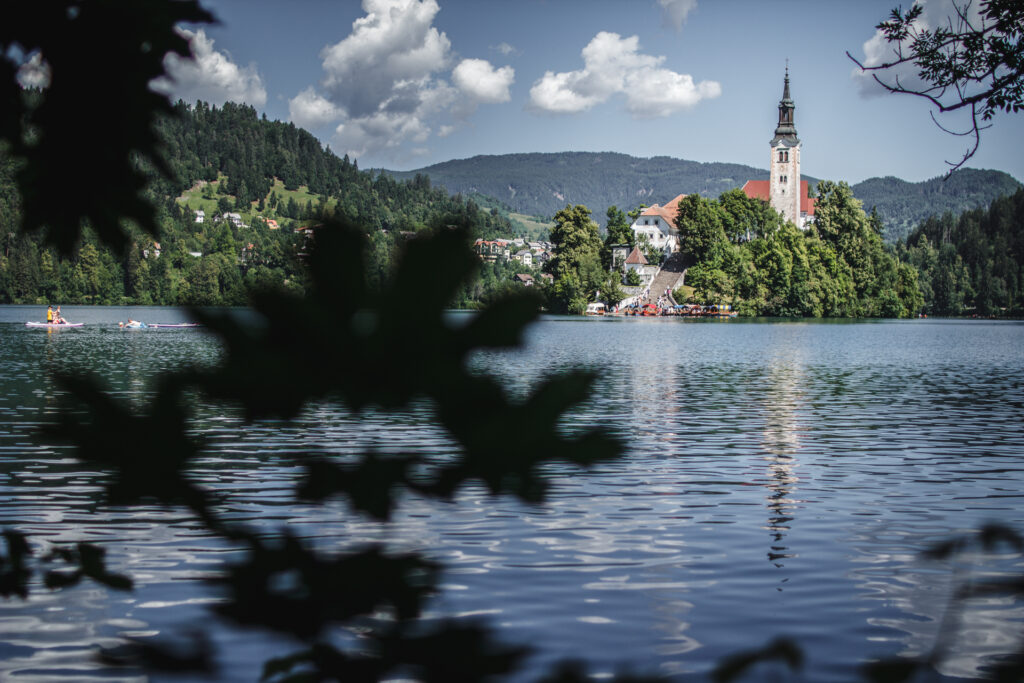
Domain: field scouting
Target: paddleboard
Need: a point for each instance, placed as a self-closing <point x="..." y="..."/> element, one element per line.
<point x="57" y="325"/>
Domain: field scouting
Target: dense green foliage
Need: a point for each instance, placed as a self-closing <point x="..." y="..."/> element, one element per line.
<point x="576" y="266"/>
<point x="238" y="159"/>
<point x="542" y="184"/>
<point x="971" y="264"/>
<point x="903" y="205"/>
<point x="837" y="268"/>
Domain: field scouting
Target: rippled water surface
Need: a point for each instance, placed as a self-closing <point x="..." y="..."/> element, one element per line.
<point x="781" y="478"/>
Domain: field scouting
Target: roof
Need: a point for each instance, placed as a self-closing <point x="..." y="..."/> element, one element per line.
<point x="758" y="189"/>
<point x="636" y="256"/>
<point x="524" y="277"/>
<point x="668" y="212"/>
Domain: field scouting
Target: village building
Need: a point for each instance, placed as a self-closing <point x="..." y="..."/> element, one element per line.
<point x="524" y="279"/>
<point x="200" y="216"/>
<point x="525" y="257"/>
<point x="636" y="261"/>
<point x="656" y="225"/>
<point x="785" y="191"/>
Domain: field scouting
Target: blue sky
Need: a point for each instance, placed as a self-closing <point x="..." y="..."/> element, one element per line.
<point x="407" y="83"/>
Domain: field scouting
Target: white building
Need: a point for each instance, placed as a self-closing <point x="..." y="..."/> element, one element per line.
<point x="657" y="225"/>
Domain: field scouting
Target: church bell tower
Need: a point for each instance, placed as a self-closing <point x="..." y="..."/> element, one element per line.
<point x="784" y="179"/>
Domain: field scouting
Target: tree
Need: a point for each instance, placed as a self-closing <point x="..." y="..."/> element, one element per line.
<point x="700" y="225"/>
<point x="576" y="265"/>
<point x="618" y="227"/>
<point x="973" y="62"/>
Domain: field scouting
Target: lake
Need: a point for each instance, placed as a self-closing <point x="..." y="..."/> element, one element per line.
<point x="781" y="478"/>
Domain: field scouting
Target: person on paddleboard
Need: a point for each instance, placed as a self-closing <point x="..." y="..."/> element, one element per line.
<point x="58" y="319"/>
<point x="49" y="315"/>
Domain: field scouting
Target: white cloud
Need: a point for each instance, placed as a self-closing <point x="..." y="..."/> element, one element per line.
<point x="613" y="65"/>
<point x="211" y="76"/>
<point x="394" y="44"/>
<point x="386" y="85"/>
<point x="310" y="110"/>
<point x="478" y="79"/>
<point x="675" y="12"/>
<point x="660" y="92"/>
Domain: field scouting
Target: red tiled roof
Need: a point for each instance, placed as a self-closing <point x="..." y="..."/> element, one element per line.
<point x="668" y="212"/>
<point x="758" y="189"/>
<point x="636" y="256"/>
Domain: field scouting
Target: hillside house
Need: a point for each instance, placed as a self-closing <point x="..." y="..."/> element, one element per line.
<point x="200" y="216"/>
<point x="525" y="257"/>
<point x="491" y="250"/>
<point x="525" y="279"/>
<point x="657" y="225"/>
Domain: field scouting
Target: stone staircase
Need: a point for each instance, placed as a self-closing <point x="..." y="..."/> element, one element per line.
<point x="671" y="275"/>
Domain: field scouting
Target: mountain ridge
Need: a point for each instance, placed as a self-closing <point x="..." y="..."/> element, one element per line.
<point x="542" y="183"/>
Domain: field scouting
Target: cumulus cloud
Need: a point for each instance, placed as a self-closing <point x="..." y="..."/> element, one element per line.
<point x="675" y="12"/>
<point x="311" y="110"/>
<point x="614" y="65"/>
<point x="479" y="80"/>
<point x="211" y="76"/>
<point x="387" y="82"/>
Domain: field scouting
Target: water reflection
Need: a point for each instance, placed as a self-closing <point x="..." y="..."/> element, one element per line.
<point x="795" y="442"/>
<point x="781" y="440"/>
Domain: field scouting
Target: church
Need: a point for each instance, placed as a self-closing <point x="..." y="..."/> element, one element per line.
<point x="784" y="189"/>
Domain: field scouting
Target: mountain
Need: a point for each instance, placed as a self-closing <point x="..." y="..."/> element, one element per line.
<point x="903" y="205"/>
<point x="540" y="184"/>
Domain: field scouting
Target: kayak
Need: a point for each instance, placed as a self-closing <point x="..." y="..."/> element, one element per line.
<point x="58" y="325"/>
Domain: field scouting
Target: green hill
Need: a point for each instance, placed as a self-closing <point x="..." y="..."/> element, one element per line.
<point x="902" y="205"/>
<point x="541" y="184"/>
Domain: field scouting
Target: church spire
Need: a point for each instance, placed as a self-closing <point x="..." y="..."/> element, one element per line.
<point x="786" y="129"/>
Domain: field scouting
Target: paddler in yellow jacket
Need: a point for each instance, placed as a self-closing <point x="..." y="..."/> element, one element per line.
<point x="49" y="315"/>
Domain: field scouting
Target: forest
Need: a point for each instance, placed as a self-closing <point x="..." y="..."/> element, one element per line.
<point x="840" y="267"/>
<point x="280" y="181"/>
<point x="228" y="159"/>
<point x="971" y="264"/>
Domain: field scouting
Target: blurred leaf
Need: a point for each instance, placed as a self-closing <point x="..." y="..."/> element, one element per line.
<point x="194" y="656"/>
<point x="781" y="649"/>
<point x="892" y="670"/>
<point x="295" y="590"/>
<point x="93" y="158"/>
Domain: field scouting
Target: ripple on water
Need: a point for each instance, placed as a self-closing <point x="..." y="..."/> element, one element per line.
<point x="778" y="480"/>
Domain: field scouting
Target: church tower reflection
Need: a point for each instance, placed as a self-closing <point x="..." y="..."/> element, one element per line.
<point x="781" y="442"/>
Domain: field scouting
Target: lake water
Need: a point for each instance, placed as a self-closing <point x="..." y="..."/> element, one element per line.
<point x="780" y="479"/>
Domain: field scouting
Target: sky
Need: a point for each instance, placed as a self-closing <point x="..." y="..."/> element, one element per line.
<point x="402" y="84"/>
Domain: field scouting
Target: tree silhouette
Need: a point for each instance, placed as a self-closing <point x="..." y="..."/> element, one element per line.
<point x="975" y="62"/>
